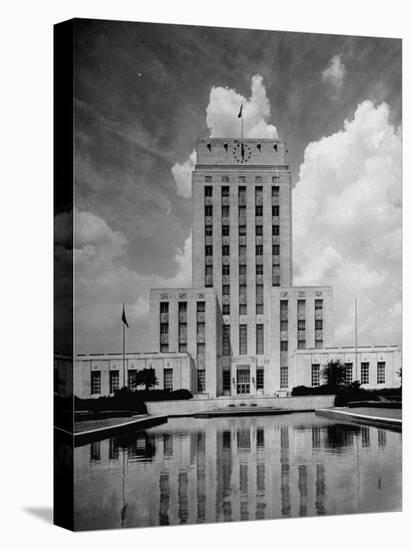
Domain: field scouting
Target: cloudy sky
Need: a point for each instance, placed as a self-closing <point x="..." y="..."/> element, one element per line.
<point x="145" y="93"/>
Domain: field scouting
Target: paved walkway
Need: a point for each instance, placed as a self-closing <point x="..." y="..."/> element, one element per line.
<point x="87" y="425"/>
<point x="372" y="411"/>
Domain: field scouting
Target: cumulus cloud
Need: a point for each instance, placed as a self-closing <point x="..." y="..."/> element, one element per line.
<point x="347" y="223"/>
<point x="182" y="174"/>
<point x="335" y="72"/>
<point x="223" y="108"/>
<point x="103" y="281"/>
<point x="222" y="121"/>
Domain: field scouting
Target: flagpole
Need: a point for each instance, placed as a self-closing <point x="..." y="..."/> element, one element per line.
<point x="124" y="353"/>
<point x="356" y="340"/>
<point x="241" y="122"/>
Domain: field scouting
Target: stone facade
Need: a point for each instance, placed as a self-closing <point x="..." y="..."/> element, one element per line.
<point x="376" y="367"/>
<point x="242" y="263"/>
<point x="97" y="375"/>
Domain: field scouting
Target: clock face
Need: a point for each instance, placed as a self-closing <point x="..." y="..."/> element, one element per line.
<point x="242" y="152"/>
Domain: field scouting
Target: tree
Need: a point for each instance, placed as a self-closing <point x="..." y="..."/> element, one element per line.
<point x="146" y="378"/>
<point x="334" y="374"/>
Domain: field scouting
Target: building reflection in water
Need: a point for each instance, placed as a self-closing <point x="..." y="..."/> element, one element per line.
<point x="236" y="469"/>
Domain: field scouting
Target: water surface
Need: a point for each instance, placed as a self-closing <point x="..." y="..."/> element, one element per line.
<point x="230" y="469"/>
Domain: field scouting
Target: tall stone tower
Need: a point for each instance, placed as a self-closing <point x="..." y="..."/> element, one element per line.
<point x="253" y="318"/>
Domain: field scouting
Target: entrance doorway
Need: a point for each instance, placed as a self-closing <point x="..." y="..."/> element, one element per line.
<point x="243" y="380"/>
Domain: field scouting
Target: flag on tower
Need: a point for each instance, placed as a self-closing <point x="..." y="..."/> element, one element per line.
<point x="124" y="318"/>
<point x="240" y="111"/>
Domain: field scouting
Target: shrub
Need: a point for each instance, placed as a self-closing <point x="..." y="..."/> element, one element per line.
<point x="309" y="390"/>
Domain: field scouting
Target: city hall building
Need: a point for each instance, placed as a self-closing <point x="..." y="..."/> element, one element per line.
<point x="243" y="327"/>
<point x="242" y="320"/>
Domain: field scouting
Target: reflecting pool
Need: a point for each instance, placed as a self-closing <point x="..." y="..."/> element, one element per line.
<point x="230" y="469"/>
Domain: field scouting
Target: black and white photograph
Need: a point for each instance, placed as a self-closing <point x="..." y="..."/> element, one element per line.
<point x="234" y="240"/>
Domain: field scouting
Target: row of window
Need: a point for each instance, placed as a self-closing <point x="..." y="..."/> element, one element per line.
<point x="242" y="211"/>
<point x="301" y="325"/>
<point x="242" y="250"/>
<point x="365" y="371"/>
<point x="114" y="380"/>
<point x="227" y="349"/>
<point x="242" y="230"/>
<point x="241" y="179"/>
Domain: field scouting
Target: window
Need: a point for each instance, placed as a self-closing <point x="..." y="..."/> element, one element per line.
<point x="182" y="332"/>
<point x="208" y="210"/>
<point x="315" y="375"/>
<point x="164" y="328"/>
<point x="225" y="211"/>
<point x="275" y="277"/>
<point x="318" y="305"/>
<point x="225" y="269"/>
<point x="131" y="378"/>
<point x="242" y="309"/>
<point x="242" y="250"/>
<point x="168" y="379"/>
<point x="209" y="271"/>
<point x="226" y="309"/>
<point x="318" y="344"/>
<point x="96" y="382"/>
<point x="260" y="379"/>
<point x="208" y="230"/>
<point x="182" y="348"/>
<point x="301" y="307"/>
<point x="114" y="381"/>
<point x="259" y="250"/>
<point x="259" y="210"/>
<point x="275" y="191"/>
<point x="201" y="307"/>
<point x="164" y="348"/>
<point x="318" y="324"/>
<point x="201" y="381"/>
<point x="225" y="290"/>
<point x="208" y="179"/>
<point x="284" y="378"/>
<point x="208" y="191"/>
<point x="259" y="340"/>
<point x="242" y="339"/>
<point x="364" y="373"/>
<point x="242" y="270"/>
<point x="283" y="326"/>
<point x="284" y="306"/>
<point x="381" y="373"/>
<point x="275" y="210"/>
<point x="225" y="230"/>
<point x="226" y="340"/>
<point x="259" y="309"/>
<point x="259" y="269"/>
<point x="225" y="191"/>
<point x="226" y="380"/>
<point x="275" y="249"/>
<point x="259" y="294"/>
<point x="200" y="328"/>
<point x="348" y="373"/>
<point x="164" y="307"/>
<point x="242" y="213"/>
<point x="301" y="324"/>
<point x="200" y="352"/>
<point x="242" y="230"/>
<point x="209" y="250"/>
<point x="259" y="230"/>
<point x="301" y="344"/>
<point x="284" y="345"/>
<point x="275" y="230"/>
<point x="225" y="250"/>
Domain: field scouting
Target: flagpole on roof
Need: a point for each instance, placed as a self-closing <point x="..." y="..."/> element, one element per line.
<point x="240" y="115"/>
